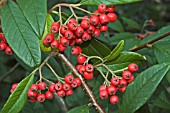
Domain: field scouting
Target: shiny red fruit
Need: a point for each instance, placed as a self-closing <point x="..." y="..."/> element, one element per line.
<point x="115" y="81"/>
<point x="32" y="100"/>
<point x="131" y="79"/>
<point x="72" y="42"/>
<point x="74" y="84"/>
<point x="85" y="24"/>
<point x="58" y="86"/>
<point x="51" y="88"/>
<point x="133" y="67"/>
<point x="102" y="87"/>
<point x="14" y="86"/>
<point x="55" y="44"/>
<point x="122" y="89"/>
<point x="42" y="85"/>
<point x="49" y="38"/>
<point x="69" y="78"/>
<point x="91" y="29"/>
<point x="3" y="46"/>
<point x="61" y="48"/>
<point x="72" y="26"/>
<point x="102" y="8"/>
<point x="63" y="29"/>
<point x="104" y="28"/>
<point x="81" y="59"/>
<point x="86" y="36"/>
<point x="75" y="51"/>
<point x="41" y="98"/>
<point x="78" y="81"/>
<point x="87" y="76"/>
<point x="66" y="87"/>
<point x="122" y="82"/>
<point x="31" y="94"/>
<point x="111" y="9"/>
<point x="79" y="40"/>
<point x="69" y="92"/>
<point x="79" y="31"/>
<point x="112" y="17"/>
<point x="126" y="75"/>
<point x="103" y="94"/>
<point x="49" y="95"/>
<point x="61" y="93"/>
<point x="89" y="68"/>
<point x="96" y="33"/>
<point x="82" y="69"/>
<point x="64" y="41"/>
<point x="111" y="90"/>
<point x="104" y="19"/>
<point x="34" y="87"/>
<point x="69" y="34"/>
<point x="55" y="27"/>
<point x="114" y="99"/>
<point x="9" y="51"/>
<point x="94" y="20"/>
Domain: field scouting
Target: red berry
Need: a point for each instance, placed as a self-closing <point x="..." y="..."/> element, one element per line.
<point x="104" y="28"/>
<point x="11" y="90"/>
<point x="49" y="95"/>
<point x="78" y="81"/>
<point x="69" y="34"/>
<point x="69" y="92"/>
<point x="114" y="99"/>
<point x="78" y="47"/>
<point x="122" y="82"/>
<point x="66" y="87"/>
<point x="85" y="24"/>
<point x="79" y="31"/>
<point x="82" y="69"/>
<point x="75" y="51"/>
<point x="64" y="41"/>
<point x="111" y="90"/>
<point x="61" y="93"/>
<point x="91" y="29"/>
<point x="32" y="100"/>
<point x="96" y="33"/>
<point x="2" y="38"/>
<point x="126" y="74"/>
<point x="40" y="97"/>
<point x="14" y="86"/>
<point x="122" y="89"/>
<point x="9" y="51"/>
<point x="111" y="9"/>
<point x="72" y="20"/>
<point x="115" y="81"/>
<point x="86" y="36"/>
<point x="87" y="76"/>
<point x="89" y="68"/>
<point x="102" y="87"/>
<point x="78" y="67"/>
<point x="94" y="20"/>
<point x="3" y="46"/>
<point x="72" y="26"/>
<point x="49" y="38"/>
<point x="55" y="44"/>
<point x="131" y="79"/>
<point x="133" y="67"/>
<point x="69" y="78"/>
<point x="45" y="43"/>
<point x="72" y="42"/>
<point x="102" y="8"/>
<point x="103" y="19"/>
<point x="61" y="48"/>
<point x="55" y="27"/>
<point x="51" y="88"/>
<point x="103" y="94"/>
<point x="31" y="94"/>
<point x="58" y="86"/>
<point x="112" y="17"/>
<point x="63" y="29"/>
<point x="42" y="85"/>
<point x="79" y="40"/>
<point x="34" y="87"/>
<point x="81" y="59"/>
<point x="74" y="84"/>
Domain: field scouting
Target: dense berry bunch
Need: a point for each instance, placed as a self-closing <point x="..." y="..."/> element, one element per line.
<point x="118" y="84"/>
<point x="4" y="45"/>
<point x="76" y="33"/>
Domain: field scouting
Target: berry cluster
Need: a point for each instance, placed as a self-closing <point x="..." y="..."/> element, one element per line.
<point x="4" y="45"/>
<point x="118" y="83"/>
<point x="73" y="33"/>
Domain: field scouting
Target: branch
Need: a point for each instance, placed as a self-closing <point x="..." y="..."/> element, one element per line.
<point x="9" y="72"/>
<point x="149" y="43"/>
<point x="85" y="86"/>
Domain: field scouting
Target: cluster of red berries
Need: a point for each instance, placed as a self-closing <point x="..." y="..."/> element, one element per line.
<point x="35" y="91"/>
<point x="118" y="84"/>
<point x="72" y="33"/>
<point x="4" y="45"/>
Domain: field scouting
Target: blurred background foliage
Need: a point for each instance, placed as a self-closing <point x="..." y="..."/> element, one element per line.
<point x="131" y="18"/>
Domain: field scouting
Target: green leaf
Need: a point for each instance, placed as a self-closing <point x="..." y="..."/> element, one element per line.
<point x="116" y="26"/>
<point x="127" y="57"/>
<point x="80" y="109"/>
<point x="107" y="2"/>
<point x="141" y="89"/>
<point x="20" y="35"/>
<point x="162" y="51"/>
<point x="18" y="98"/>
<point x="131" y="23"/>
<point x="115" y="52"/>
<point x="47" y="29"/>
<point x="35" y="13"/>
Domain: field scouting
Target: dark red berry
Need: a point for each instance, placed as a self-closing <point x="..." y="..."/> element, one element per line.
<point x="111" y="9"/>
<point x="131" y="79"/>
<point x="74" y="84"/>
<point x="78" y="47"/>
<point x="61" y="48"/>
<point x="72" y="42"/>
<point x="102" y="8"/>
<point x="133" y="67"/>
<point x="51" y="88"/>
<point x="91" y="29"/>
<point x="42" y="85"/>
<point x="78" y="81"/>
<point x="40" y="97"/>
<point x="104" y="19"/>
<point x="86" y="36"/>
<point x="45" y="43"/>
<point x="66" y="87"/>
<point x="85" y="24"/>
<point x="88" y="76"/>
<point x="55" y="44"/>
<point x="69" y="92"/>
<point x="31" y="94"/>
<point x="111" y="90"/>
<point x="55" y="27"/>
<point x="69" y="34"/>
<point x="49" y="38"/>
<point x="69" y="78"/>
<point x="94" y="20"/>
<point x="79" y="32"/>
<point x="3" y="46"/>
<point x="61" y="93"/>
<point x="126" y="74"/>
<point x="112" y="17"/>
<point x="58" y="86"/>
<point x="14" y="86"/>
<point x="89" y="68"/>
<point x="103" y="94"/>
<point x="75" y="51"/>
<point x="114" y="99"/>
<point x="9" y="51"/>
<point x="96" y="33"/>
<point x="82" y="69"/>
<point x="34" y="87"/>
<point x="81" y="59"/>
<point x="32" y="100"/>
<point x="64" y="41"/>
<point x="115" y="81"/>
<point x="72" y="26"/>
<point x="79" y="40"/>
<point x="49" y="95"/>
<point x="102" y="87"/>
<point x="104" y="28"/>
<point x="122" y="89"/>
<point x="71" y="20"/>
<point x="63" y="29"/>
<point x="122" y="82"/>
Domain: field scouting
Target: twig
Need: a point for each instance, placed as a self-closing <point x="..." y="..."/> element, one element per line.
<point x="149" y="43"/>
<point x="9" y="72"/>
<point x="85" y="86"/>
